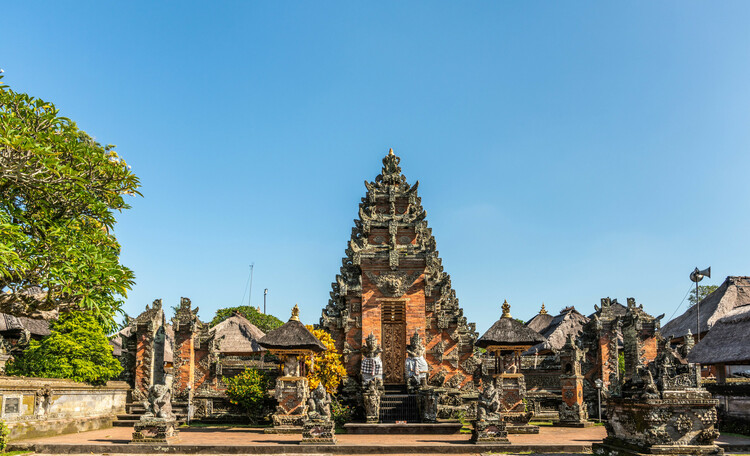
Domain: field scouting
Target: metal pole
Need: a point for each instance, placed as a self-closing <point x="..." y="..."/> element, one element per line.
<point x="599" y="391"/>
<point x="265" y="293"/>
<point x="250" y="294"/>
<point x="698" y="314"/>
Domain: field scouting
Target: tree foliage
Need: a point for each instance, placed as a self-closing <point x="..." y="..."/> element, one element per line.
<point x="328" y="367"/>
<point x="249" y="390"/>
<point x="77" y="348"/>
<point x="264" y="322"/>
<point x="59" y="189"/>
<point x="703" y="291"/>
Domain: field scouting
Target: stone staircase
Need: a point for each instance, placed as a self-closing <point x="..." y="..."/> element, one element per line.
<point x="134" y="411"/>
<point x="397" y="405"/>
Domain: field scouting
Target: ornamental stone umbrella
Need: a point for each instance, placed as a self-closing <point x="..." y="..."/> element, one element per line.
<point x="291" y="342"/>
<point x="506" y="340"/>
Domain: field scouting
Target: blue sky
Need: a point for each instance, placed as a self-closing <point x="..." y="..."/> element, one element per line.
<point x="566" y="151"/>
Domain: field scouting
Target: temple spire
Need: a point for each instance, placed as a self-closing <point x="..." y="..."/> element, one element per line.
<point x="543" y="311"/>
<point x="506" y="309"/>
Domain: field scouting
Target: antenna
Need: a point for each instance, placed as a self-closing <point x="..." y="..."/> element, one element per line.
<point x="250" y="294"/>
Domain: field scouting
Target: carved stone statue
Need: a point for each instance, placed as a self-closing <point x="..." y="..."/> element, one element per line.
<point x="416" y="366"/>
<point x="372" y="365"/>
<point x="489" y="406"/>
<point x="158" y="403"/>
<point x="319" y="404"/>
<point x="373" y="391"/>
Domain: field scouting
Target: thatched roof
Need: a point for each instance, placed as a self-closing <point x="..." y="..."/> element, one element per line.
<point x="35" y="327"/>
<point x="237" y="335"/>
<point x="734" y="292"/>
<point x="509" y="331"/>
<point x="292" y="335"/>
<point x="726" y="342"/>
<point x="568" y="322"/>
<point x="540" y="321"/>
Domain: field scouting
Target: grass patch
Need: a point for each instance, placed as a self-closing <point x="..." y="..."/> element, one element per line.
<point x="541" y="423"/>
<point x="199" y="424"/>
<point x="14" y="453"/>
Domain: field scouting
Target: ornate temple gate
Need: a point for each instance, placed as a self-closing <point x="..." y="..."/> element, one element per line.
<point x="393" y="320"/>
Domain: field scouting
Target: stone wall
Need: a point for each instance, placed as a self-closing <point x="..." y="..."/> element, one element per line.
<point x="734" y="405"/>
<point x="39" y="407"/>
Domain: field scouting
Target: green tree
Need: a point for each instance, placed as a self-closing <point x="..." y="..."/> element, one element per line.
<point x="249" y="390"/>
<point x="59" y="190"/>
<point x="264" y="322"/>
<point x="77" y="348"/>
<point x="703" y="291"/>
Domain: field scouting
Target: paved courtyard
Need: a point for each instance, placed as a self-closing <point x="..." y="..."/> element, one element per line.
<point x="252" y="436"/>
<point x="116" y="440"/>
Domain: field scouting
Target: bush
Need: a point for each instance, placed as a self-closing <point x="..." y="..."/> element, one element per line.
<point x="328" y="367"/>
<point x="250" y="391"/>
<point x="4" y="431"/>
<point x="77" y="349"/>
<point x="340" y="413"/>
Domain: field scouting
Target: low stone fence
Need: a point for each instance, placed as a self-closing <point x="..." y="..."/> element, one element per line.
<point x="734" y="405"/>
<point x="40" y="407"/>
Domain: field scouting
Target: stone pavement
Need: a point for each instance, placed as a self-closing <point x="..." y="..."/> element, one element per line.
<point x="242" y="440"/>
<point x="253" y="436"/>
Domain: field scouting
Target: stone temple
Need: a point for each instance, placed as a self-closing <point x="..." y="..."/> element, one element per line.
<point x="392" y="285"/>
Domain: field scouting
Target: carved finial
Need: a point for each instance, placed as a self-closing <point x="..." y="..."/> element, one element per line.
<point x="543" y="311"/>
<point x="390" y="151"/>
<point x="295" y="313"/>
<point x="506" y="309"/>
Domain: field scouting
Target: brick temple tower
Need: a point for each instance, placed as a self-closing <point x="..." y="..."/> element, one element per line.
<point x="392" y="284"/>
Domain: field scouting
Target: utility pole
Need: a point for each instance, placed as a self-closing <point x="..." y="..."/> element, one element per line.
<point x="250" y="295"/>
<point x="265" y="293"/>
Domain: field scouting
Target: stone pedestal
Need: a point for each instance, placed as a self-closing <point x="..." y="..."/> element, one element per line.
<point x="490" y="432"/>
<point x="679" y="425"/>
<point x="573" y="416"/>
<point x="427" y="400"/>
<point x="513" y="387"/>
<point x="292" y="394"/>
<point x="155" y="430"/>
<point x="318" y="433"/>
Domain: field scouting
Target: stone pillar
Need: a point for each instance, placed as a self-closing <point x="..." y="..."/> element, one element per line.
<point x="148" y="370"/>
<point x="291" y="393"/>
<point x="573" y="411"/>
<point x="186" y="325"/>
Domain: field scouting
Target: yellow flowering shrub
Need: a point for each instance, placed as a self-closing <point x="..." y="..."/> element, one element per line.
<point x="328" y="367"/>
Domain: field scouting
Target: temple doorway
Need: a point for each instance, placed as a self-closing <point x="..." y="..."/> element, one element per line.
<point x="393" y="318"/>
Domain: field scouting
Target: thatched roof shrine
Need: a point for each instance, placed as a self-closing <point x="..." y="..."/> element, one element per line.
<point x="509" y="332"/>
<point x="734" y="292"/>
<point x="540" y="321"/>
<point x="292" y="335"/>
<point x="568" y="323"/>
<point x="726" y="343"/>
<point x="236" y="335"/>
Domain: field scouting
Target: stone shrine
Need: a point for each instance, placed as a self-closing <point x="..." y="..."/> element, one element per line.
<point x="392" y="284"/>
<point x="662" y="407"/>
<point x="506" y="340"/>
<point x="573" y="411"/>
<point x="292" y="342"/>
